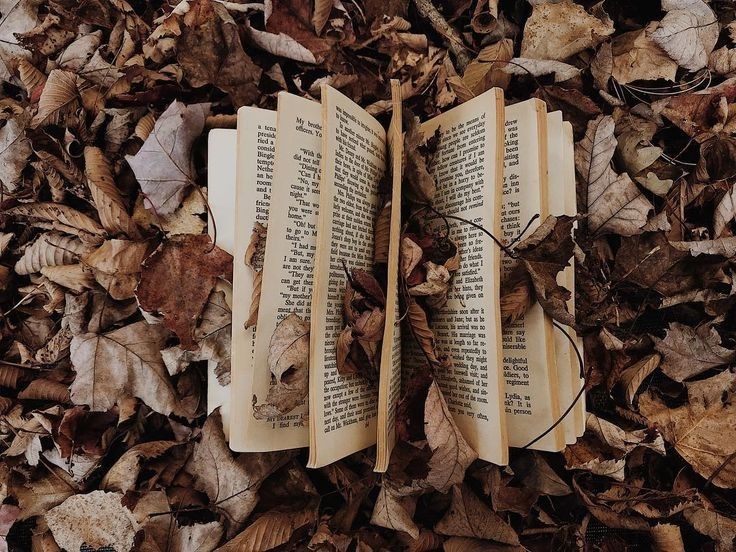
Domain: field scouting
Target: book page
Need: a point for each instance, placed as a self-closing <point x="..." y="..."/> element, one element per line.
<point x="342" y="409"/>
<point x="221" y="152"/>
<point x="531" y="398"/>
<point x="389" y="385"/>
<point x="571" y="208"/>
<point x="567" y="366"/>
<point x="467" y="169"/>
<point x="288" y="261"/>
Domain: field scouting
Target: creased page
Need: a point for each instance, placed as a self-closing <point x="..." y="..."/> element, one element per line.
<point x="564" y="354"/>
<point x="342" y="408"/>
<point x="531" y="398"/>
<point x="286" y="287"/>
<point x="221" y="151"/>
<point x="389" y="385"/>
<point x="255" y="163"/>
<point x="468" y="174"/>
<point x="571" y="208"/>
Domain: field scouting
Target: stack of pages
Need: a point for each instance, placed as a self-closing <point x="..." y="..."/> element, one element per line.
<point x="316" y="175"/>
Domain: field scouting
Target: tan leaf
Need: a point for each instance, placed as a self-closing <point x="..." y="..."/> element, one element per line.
<point x="615" y="204"/>
<point x="633" y="376"/>
<point x="666" y="537"/>
<point x="322" y="9"/>
<point x="720" y="528"/>
<point x="75" y="277"/>
<point x="468" y="516"/>
<point x="163" y="165"/>
<point x="467" y="544"/>
<point x="49" y="489"/>
<point x="59" y="99"/>
<point x="67" y="218"/>
<point x="271" y="530"/>
<point x="394" y="511"/>
<point x="636" y="151"/>
<point x="623" y="440"/>
<point x="725" y="212"/>
<point x="256" y="247"/>
<point x="410" y="254"/>
<point x="288" y="361"/>
<point x="486" y="70"/>
<point x="42" y="389"/>
<point x="419" y="328"/>
<point x="382" y="234"/>
<point x="637" y="57"/>
<point x="723" y="61"/>
<point x="280" y="44"/>
<point x="561" y="30"/>
<point x="144" y="127"/>
<point x="524" y="66"/>
<point x="117" y="265"/>
<point x="343" y="345"/>
<point x="70" y="522"/>
<point x="18" y="16"/>
<point x="15" y="149"/>
<point x="122" y="363"/>
<point x="123" y="474"/>
<point x="437" y="281"/>
<point x="588" y="454"/>
<point x="688" y="33"/>
<point x="654" y="184"/>
<point x="78" y="53"/>
<point x="50" y="249"/>
<point x="451" y="453"/>
<point x="516" y="297"/>
<point x="688" y="352"/>
<point x="231" y="482"/>
<point x="187" y="219"/>
<point x="108" y="200"/>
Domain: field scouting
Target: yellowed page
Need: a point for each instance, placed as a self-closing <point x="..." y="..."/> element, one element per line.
<point x="468" y="171"/>
<point x="342" y="409"/>
<point x="531" y="398"/>
<point x="288" y="261"/>
<point x="389" y="384"/>
<point x="558" y="197"/>
<point x="571" y="208"/>
<point x="221" y="152"/>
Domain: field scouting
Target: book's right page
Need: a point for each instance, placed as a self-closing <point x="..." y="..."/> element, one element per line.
<point x="531" y="397"/>
<point x="468" y="171"/>
<point x="571" y="208"/>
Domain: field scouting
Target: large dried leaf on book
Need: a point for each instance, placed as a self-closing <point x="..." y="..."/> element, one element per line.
<point x="702" y="430"/>
<point x="688" y="33"/>
<point x="167" y="284"/>
<point x="122" y="363"/>
<point x="288" y="362"/>
<point x="688" y="351"/>
<point x="230" y="481"/>
<point x="163" y="165"/>
<point x="451" y="453"/>
<point x="59" y="99"/>
<point x="468" y="516"/>
<point x="210" y="52"/>
<point x="15" y="149"/>
<point x="615" y="204"/>
<point x="109" y="202"/>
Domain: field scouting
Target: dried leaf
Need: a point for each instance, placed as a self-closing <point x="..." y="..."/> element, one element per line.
<point x="394" y="511"/>
<point x="419" y="328"/>
<point x="633" y="376"/>
<point x="15" y="149"/>
<point x="163" y="165"/>
<point x="725" y="212"/>
<point x="688" y="351"/>
<point x="688" y="33"/>
<point x="382" y="231"/>
<point x="46" y="390"/>
<point x="666" y="537"/>
<point x="68" y="219"/>
<point x="117" y="265"/>
<point x="122" y="476"/>
<point x="271" y="530"/>
<point x="50" y="249"/>
<point x="18" y="16"/>
<point x="486" y="70"/>
<point x="637" y="57"/>
<point x="720" y="528"/>
<point x="167" y="287"/>
<point x="59" y="99"/>
<point x="523" y="66"/>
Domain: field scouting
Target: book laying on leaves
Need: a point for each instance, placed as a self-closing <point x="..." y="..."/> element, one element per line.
<point x="362" y="266"/>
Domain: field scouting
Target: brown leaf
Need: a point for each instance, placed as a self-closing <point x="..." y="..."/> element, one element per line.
<point x="633" y="376"/>
<point x="271" y="530"/>
<point x="294" y="20"/>
<point x="18" y="16"/>
<point x="343" y="345"/>
<point x="420" y="331"/>
<point x="451" y="453"/>
<point x="725" y="212"/>
<point x="117" y="265"/>
<point x="393" y="511"/>
<point x="688" y="33"/>
<point x="123" y="475"/>
<point x="468" y="516"/>
<point x="688" y="351"/>
<point x="62" y="217"/>
<point x="288" y="361"/>
<point x="230" y="481"/>
<point x="108" y="200"/>
<point x="382" y="232"/>
<point x="167" y="285"/>
<point x="637" y="57"/>
<point x="50" y="249"/>
<point x="485" y="71"/>
<point x="256" y="247"/>
<point x="666" y="537"/>
<point x="59" y="99"/>
<point x="709" y="522"/>
<point x="163" y="165"/>
<point x="42" y="389"/>
<point x="516" y="296"/>
<point x="420" y="185"/>
<point x="15" y="149"/>
<point x="122" y="363"/>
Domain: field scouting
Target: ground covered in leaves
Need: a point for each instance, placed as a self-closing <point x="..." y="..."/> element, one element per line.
<point x="104" y="333"/>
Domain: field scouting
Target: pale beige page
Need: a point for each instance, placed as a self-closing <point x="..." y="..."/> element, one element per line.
<point x="289" y="259"/>
<point x="221" y="152"/>
<point x="571" y="208"/>
<point x="558" y="193"/>
<point x="389" y="383"/>
<point x="531" y="398"/>
<point x="468" y="172"/>
<point x="342" y="409"/>
<point x="255" y="165"/>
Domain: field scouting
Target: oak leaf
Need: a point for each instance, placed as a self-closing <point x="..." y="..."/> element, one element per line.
<point x="167" y="285"/>
<point x="688" y="33"/>
<point x="163" y="165"/>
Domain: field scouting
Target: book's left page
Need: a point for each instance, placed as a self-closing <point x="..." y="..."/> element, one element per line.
<point x="342" y="407"/>
<point x="221" y="152"/>
<point x="276" y="407"/>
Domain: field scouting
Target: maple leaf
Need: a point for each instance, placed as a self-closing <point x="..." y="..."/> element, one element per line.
<point x="167" y="284"/>
<point x="163" y="165"/>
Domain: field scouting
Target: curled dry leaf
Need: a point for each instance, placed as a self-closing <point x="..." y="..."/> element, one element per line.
<point x="725" y="212"/>
<point x="62" y="217"/>
<point x="635" y="56"/>
<point x="486" y="70"/>
<point x="256" y="247"/>
<point x="123" y="474"/>
<point x="419" y="328"/>
<point x="272" y="530"/>
<point x="117" y="265"/>
<point x="633" y="376"/>
<point x="688" y="33"/>
<point x="517" y="295"/>
<point x="382" y="233"/>
<point x="50" y="249"/>
<point x="288" y="362"/>
<point x="523" y="66"/>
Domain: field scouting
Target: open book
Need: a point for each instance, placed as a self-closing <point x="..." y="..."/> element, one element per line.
<point x="315" y="181"/>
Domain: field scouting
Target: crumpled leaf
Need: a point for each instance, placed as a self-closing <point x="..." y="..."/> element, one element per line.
<point x="725" y="212"/>
<point x="167" y="285"/>
<point x="70" y="522"/>
<point x="635" y="56"/>
<point x="123" y="474"/>
<point x="288" y="362"/>
<point x="688" y="33"/>
<point x="486" y="70"/>
<point x="615" y="204"/>
<point x="163" y="165"/>
<point x="557" y="31"/>
<point x="687" y="352"/>
<point x="122" y="363"/>
<point x="451" y="453"/>
<point x="15" y="149"/>
<point x="117" y="265"/>
<point x="50" y="249"/>
<point x="62" y="217"/>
